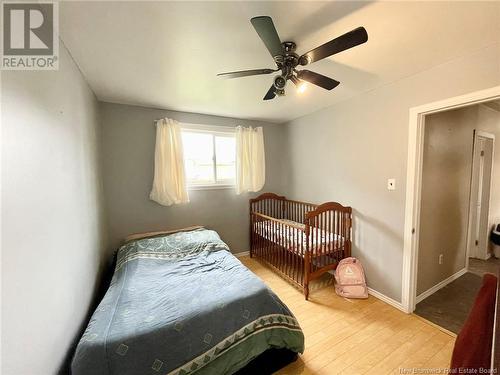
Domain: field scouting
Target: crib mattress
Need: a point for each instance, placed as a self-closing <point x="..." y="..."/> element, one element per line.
<point x="295" y="240"/>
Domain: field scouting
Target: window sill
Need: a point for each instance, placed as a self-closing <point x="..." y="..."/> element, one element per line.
<point x="211" y="187"/>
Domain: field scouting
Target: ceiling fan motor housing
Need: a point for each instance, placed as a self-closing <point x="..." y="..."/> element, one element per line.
<point x="288" y="60"/>
<point x="288" y="47"/>
<point x="287" y="63"/>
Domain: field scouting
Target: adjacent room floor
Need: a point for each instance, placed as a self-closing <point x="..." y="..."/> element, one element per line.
<point x="450" y="306"/>
<point x="356" y="336"/>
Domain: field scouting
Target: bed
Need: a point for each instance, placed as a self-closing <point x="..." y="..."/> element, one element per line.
<point x="181" y="303"/>
<point x="299" y="240"/>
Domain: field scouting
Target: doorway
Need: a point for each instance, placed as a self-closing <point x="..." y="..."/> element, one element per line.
<point x="456" y="177"/>
<point x="414" y="179"/>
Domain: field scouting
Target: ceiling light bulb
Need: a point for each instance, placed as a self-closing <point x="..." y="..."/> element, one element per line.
<point x="301" y="87"/>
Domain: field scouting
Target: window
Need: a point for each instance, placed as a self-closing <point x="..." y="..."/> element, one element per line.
<point x="209" y="156"/>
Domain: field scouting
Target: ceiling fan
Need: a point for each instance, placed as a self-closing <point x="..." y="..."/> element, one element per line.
<point x="287" y="60"/>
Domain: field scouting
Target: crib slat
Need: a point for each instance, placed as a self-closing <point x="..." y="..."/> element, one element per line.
<point x="279" y="236"/>
<point x="323" y="238"/>
<point x="331" y="244"/>
<point x="298" y="244"/>
<point x="316" y="232"/>
<point x="318" y="241"/>
<point x="283" y="249"/>
<point x="276" y="247"/>
<point x="340" y="232"/>
<point x="286" y="250"/>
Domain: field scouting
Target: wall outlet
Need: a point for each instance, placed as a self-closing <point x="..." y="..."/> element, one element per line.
<point x="391" y="184"/>
<point x="441" y="256"/>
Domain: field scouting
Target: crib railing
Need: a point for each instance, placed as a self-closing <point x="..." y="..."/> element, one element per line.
<point x="279" y="207"/>
<point x="300" y="240"/>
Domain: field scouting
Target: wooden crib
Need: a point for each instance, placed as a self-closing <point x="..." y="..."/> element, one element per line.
<point x="300" y="240"/>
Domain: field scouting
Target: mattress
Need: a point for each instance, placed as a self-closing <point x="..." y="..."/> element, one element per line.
<point x="294" y="239"/>
<point x="182" y="304"/>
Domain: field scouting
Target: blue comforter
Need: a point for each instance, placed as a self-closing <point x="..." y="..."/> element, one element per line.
<point x="180" y="304"/>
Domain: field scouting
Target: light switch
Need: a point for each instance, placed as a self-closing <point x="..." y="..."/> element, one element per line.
<point x="391" y="184"/>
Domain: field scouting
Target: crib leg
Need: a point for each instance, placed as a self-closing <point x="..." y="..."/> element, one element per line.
<point x="306" y="275"/>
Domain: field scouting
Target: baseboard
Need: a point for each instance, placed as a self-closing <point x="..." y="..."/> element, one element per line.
<point x="242" y="254"/>
<point x="387" y="300"/>
<point x="440" y="285"/>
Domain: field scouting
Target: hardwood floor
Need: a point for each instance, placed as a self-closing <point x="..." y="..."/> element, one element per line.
<point x="356" y="336"/>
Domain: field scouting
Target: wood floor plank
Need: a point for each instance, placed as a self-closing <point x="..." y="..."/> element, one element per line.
<point x="363" y="343"/>
<point x="422" y="356"/>
<point x="403" y="353"/>
<point x="355" y="336"/>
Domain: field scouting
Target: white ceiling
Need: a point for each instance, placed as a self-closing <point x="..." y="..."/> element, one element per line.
<point x="167" y="54"/>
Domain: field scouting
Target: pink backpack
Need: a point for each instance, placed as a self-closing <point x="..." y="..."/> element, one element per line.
<point x="350" y="279"/>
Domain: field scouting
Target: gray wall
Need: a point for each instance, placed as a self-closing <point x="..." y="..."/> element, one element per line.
<point x="446" y="177"/>
<point x="128" y="156"/>
<point x="347" y="152"/>
<point x="52" y="218"/>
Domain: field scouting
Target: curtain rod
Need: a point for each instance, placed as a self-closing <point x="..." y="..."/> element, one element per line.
<point x="210" y="128"/>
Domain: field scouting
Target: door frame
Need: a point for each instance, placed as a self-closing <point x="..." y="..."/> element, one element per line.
<point x="472" y="204"/>
<point x="414" y="182"/>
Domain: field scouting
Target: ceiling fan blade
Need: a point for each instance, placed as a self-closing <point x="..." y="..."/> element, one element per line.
<point x="246" y="73"/>
<point x="317" y="79"/>
<point x="348" y="40"/>
<point x="265" y="28"/>
<point x="271" y="93"/>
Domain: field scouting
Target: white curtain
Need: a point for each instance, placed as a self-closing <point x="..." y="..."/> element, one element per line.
<point x="169" y="183"/>
<point x="250" y="159"/>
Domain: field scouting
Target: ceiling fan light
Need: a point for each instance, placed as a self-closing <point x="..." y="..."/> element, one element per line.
<point x="279" y="82"/>
<point x="301" y="85"/>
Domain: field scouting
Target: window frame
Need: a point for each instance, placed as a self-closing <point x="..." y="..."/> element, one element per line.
<point x="214" y="130"/>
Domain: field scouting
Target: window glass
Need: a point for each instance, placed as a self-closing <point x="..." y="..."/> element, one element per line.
<point x="198" y="157"/>
<point x="209" y="157"/>
<point x="225" y="151"/>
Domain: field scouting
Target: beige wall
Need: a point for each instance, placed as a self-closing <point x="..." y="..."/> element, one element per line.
<point x="128" y="155"/>
<point x="446" y="176"/>
<point x="347" y="152"/>
<point x="446" y="173"/>
<point x="53" y="233"/>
